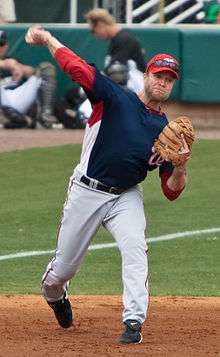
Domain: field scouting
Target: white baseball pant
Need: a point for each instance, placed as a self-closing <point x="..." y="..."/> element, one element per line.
<point x="22" y="97"/>
<point x="85" y="210"/>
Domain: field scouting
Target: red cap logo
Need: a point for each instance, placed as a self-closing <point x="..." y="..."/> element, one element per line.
<point x="163" y="62"/>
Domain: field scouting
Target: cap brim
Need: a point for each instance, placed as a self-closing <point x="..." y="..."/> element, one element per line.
<point x="161" y="69"/>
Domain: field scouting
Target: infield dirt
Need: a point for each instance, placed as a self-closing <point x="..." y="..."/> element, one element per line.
<point x="176" y="326"/>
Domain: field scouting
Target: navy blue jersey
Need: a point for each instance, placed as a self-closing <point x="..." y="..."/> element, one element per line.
<point x="123" y="147"/>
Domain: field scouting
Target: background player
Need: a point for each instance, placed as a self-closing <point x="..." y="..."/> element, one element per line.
<point x="21" y="86"/>
<point x="103" y="190"/>
<point x="123" y="45"/>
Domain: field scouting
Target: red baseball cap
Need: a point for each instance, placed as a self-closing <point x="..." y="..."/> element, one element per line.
<point x="163" y="62"/>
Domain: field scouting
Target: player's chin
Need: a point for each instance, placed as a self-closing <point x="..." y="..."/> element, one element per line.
<point x="160" y="95"/>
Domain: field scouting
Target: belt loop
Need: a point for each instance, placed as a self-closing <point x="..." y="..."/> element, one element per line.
<point x="95" y="184"/>
<point x="92" y="183"/>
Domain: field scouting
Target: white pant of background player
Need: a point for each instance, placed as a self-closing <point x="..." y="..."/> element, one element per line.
<point x="20" y="97"/>
<point x="85" y="210"/>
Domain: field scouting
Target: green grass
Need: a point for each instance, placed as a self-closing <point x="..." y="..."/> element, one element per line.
<point x="33" y="185"/>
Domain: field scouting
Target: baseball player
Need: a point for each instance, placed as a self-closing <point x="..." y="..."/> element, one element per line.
<point x="21" y="86"/>
<point x="104" y="188"/>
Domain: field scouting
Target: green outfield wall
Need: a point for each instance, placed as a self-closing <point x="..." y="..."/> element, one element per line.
<point x="197" y="49"/>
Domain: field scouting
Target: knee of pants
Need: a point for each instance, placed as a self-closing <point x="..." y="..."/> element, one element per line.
<point x="132" y="242"/>
<point x="134" y="250"/>
<point x="60" y="272"/>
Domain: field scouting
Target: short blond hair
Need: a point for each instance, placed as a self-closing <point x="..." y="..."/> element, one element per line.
<point x="96" y="15"/>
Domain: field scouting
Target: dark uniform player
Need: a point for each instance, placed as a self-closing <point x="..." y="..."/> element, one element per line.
<point x="104" y="188"/>
<point x="123" y="45"/>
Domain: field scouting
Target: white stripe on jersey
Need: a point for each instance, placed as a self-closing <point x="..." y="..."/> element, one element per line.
<point x="88" y="143"/>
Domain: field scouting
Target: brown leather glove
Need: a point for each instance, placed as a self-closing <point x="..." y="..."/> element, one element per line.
<point x="170" y="144"/>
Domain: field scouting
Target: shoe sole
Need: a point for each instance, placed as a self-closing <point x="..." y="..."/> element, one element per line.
<point x="132" y="343"/>
<point x="141" y="340"/>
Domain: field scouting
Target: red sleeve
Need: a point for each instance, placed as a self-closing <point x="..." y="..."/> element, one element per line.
<point x="80" y="71"/>
<point x="170" y="194"/>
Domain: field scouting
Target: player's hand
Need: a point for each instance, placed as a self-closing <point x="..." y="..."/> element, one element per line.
<point x="17" y="73"/>
<point x="37" y="36"/>
<point x="14" y="67"/>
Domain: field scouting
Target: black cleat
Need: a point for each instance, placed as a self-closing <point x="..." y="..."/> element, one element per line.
<point x="132" y="332"/>
<point x="63" y="311"/>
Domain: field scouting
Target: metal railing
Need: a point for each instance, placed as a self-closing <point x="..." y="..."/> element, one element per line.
<point x="154" y="11"/>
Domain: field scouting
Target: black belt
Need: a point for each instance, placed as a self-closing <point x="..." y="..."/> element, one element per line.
<point x="100" y="186"/>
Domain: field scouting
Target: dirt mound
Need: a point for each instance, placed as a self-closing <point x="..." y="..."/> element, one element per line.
<point x="177" y="326"/>
<point x="26" y="138"/>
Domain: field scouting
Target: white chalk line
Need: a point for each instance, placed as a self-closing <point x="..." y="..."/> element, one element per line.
<point x="163" y="238"/>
